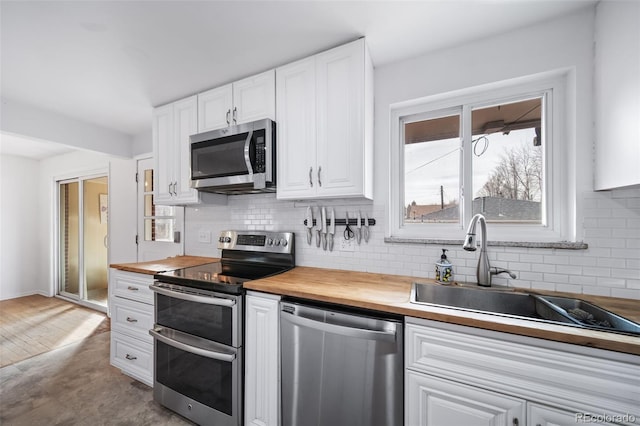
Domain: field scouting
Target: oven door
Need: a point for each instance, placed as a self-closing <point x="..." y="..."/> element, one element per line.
<point x="212" y="316"/>
<point x="198" y="379"/>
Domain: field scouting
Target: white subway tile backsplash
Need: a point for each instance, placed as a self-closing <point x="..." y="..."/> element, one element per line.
<point x="610" y="266"/>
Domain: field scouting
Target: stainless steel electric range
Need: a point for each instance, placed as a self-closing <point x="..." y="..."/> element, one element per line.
<point x="198" y="331"/>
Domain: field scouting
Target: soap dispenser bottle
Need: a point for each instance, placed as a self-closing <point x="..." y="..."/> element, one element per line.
<point x="444" y="269"/>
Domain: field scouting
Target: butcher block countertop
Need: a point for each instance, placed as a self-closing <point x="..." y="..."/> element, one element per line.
<point x="164" y="265"/>
<point x="390" y="293"/>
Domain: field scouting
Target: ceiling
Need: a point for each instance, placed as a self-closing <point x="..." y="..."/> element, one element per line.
<point x="110" y="62"/>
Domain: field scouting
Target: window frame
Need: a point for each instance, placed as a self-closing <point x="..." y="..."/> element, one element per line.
<point x="558" y="216"/>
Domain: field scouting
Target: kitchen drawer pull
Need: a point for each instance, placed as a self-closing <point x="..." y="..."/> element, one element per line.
<point x="226" y="357"/>
<point x="388" y="336"/>
<point x="228" y="114"/>
<point x="132" y="288"/>
<point x="319" y="179"/>
<point x="209" y="300"/>
<point x="129" y="319"/>
<point x="235" y="115"/>
<point x="310" y="177"/>
<point x="131" y="357"/>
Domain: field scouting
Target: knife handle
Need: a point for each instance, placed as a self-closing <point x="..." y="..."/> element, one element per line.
<point x="309" y="236"/>
<point x="324" y="241"/>
<point x="330" y="242"/>
<point x="318" y="239"/>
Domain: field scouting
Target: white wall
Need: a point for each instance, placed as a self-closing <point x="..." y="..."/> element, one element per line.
<point x="19" y="236"/>
<point x="609" y="221"/>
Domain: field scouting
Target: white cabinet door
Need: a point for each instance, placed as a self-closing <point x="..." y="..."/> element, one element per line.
<point x="540" y="415"/>
<point x="185" y="125"/>
<point x="325" y="122"/>
<point x="296" y="129"/>
<point x="340" y="117"/>
<point x="431" y="401"/>
<point x="262" y="363"/>
<point x="214" y="108"/>
<point x="254" y="98"/>
<point x="163" y="149"/>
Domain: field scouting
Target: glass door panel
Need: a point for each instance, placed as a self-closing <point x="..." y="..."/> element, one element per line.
<point x="95" y="220"/>
<point x="69" y="239"/>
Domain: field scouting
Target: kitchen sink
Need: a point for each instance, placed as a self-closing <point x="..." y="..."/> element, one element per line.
<point x="563" y="310"/>
<point x="590" y="315"/>
<point x="508" y="303"/>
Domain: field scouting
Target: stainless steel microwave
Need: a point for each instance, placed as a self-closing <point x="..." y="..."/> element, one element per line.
<point x="235" y="160"/>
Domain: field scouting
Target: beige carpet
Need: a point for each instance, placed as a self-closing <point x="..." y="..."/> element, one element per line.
<point x="33" y="325"/>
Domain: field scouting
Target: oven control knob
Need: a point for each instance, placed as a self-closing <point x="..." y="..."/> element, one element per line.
<point x="221" y="240"/>
<point x="227" y="239"/>
<point x="269" y="241"/>
<point x="283" y="242"/>
<point x="277" y="242"/>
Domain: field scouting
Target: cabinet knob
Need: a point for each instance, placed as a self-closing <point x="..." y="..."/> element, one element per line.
<point x="515" y="421"/>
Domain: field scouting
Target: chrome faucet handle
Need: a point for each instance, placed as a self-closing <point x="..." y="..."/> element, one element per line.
<point x="495" y="271"/>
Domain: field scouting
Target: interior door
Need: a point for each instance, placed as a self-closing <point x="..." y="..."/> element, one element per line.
<point x="160" y="227"/>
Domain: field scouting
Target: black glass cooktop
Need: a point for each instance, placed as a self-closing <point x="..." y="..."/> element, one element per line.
<point x="224" y="276"/>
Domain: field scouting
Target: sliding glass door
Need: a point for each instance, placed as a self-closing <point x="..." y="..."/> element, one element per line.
<point x="82" y="240"/>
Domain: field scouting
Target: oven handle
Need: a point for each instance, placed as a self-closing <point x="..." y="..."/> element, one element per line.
<point x="209" y="300"/>
<point x="156" y="333"/>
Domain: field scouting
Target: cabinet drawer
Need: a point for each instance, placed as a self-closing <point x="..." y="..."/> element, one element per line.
<point x="133" y="357"/>
<point x="132" y="318"/>
<point x="132" y="286"/>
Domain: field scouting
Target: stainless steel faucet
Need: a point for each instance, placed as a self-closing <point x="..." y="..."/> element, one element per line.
<point x="484" y="270"/>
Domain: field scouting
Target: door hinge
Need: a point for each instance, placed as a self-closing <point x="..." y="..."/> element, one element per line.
<point x="136" y="239"/>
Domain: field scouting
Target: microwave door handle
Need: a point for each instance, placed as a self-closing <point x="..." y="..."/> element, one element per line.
<point x="247" y="148"/>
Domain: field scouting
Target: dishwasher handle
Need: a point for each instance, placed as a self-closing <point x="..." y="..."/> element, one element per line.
<point x="360" y="333"/>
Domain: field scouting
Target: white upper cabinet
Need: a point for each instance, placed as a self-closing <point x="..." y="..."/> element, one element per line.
<point x="246" y="100"/>
<point x="617" y="95"/>
<point x="325" y="125"/>
<point x="172" y="126"/>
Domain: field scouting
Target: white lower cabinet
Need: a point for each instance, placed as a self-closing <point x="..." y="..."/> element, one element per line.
<point x="262" y="359"/>
<point x="131" y="307"/>
<point x="457" y="375"/>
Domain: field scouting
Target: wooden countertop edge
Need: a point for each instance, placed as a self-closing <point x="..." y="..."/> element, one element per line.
<point x="287" y="284"/>
<point x="163" y="265"/>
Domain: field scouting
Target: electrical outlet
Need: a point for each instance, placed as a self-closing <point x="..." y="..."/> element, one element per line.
<point x="204" y="236"/>
<point x="347" y="245"/>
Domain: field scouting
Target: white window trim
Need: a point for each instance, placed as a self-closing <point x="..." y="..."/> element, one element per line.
<point x="560" y="215"/>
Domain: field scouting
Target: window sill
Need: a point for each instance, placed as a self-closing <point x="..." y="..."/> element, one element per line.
<point x="563" y="245"/>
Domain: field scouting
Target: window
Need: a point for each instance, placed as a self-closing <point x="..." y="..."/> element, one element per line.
<point x="495" y="152"/>
<point x="159" y="221"/>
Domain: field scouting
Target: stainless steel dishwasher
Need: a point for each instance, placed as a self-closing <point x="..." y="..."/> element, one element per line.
<point x="340" y="368"/>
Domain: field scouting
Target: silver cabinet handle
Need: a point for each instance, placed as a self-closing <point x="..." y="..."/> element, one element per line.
<point x="361" y="333"/>
<point x="319" y="179"/>
<point x="129" y="319"/>
<point x="310" y="177"/>
<point x="221" y="356"/>
<point x="130" y="357"/>
<point x="132" y="288"/>
<point x="235" y="115"/>
<point x="228" y="114"/>
<point x="209" y="300"/>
